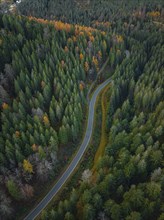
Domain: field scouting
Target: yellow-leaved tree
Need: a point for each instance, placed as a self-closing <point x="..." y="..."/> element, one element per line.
<point x="27" y="166"/>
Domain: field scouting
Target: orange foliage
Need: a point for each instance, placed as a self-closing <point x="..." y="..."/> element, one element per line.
<point x="91" y="38"/>
<point x="105" y="24"/>
<point x="81" y="56"/>
<point x="83" y="29"/>
<point x="57" y="24"/>
<point x="35" y="147"/>
<point x="79" y="30"/>
<point x="5" y="106"/>
<point x="81" y="33"/>
<point x="62" y="26"/>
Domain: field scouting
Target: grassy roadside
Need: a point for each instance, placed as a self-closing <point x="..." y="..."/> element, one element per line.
<point x="103" y="140"/>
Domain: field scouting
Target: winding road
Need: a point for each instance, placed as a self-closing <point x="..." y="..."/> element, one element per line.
<point x="44" y="202"/>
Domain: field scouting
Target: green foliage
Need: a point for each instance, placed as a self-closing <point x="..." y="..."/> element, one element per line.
<point x="43" y="89"/>
<point x="45" y="72"/>
<point x="13" y="189"/>
<point x="128" y="183"/>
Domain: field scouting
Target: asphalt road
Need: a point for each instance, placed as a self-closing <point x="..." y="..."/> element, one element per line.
<point x="44" y="202"/>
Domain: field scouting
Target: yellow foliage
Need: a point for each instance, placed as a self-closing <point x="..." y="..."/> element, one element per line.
<point x="81" y="86"/>
<point x="95" y="61"/>
<point x="100" y="54"/>
<point x="104" y="44"/>
<point x="5" y="106"/>
<point x="27" y="166"/>
<point x="154" y="14"/>
<point x="89" y="33"/>
<point x="46" y="120"/>
<point x="86" y="66"/>
<point x="1" y="41"/>
<point x="119" y="38"/>
<point x="103" y="33"/>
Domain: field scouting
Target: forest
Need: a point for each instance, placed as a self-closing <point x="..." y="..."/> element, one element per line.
<point x="50" y="54"/>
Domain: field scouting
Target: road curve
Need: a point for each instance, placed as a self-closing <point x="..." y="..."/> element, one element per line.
<point x="44" y="202"/>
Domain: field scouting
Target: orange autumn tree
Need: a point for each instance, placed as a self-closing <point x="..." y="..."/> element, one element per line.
<point x="34" y="147"/>
<point x="79" y="30"/>
<point x="81" y="56"/>
<point x="95" y="61"/>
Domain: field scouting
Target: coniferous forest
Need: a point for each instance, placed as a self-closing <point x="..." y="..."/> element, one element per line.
<point x="51" y="52"/>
